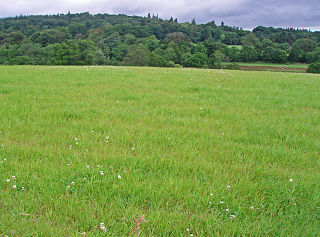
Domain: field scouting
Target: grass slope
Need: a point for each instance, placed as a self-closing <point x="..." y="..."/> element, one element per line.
<point x="194" y="133"/>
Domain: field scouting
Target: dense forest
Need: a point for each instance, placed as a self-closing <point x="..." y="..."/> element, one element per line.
<point x="103" y="39"/>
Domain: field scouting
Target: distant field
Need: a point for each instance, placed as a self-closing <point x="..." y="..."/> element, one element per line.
<point x="181" y="152"/>
<point x="237" y="46"/>
<point x="299" y="68"/>
<point x="277" y="65"/>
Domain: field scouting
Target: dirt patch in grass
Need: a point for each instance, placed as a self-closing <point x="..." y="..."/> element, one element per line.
<point x="270" y="68"/>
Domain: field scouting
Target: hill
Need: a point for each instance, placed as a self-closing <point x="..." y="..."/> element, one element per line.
<point x="103" y="39"/>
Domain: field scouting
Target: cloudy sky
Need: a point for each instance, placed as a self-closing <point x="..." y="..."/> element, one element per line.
<point x="243" y="13"/>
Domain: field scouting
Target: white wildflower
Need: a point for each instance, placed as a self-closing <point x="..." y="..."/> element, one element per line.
<point x="102" y="227"/>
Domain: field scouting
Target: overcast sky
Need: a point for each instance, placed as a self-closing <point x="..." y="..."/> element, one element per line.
<point x="243" y="13"/>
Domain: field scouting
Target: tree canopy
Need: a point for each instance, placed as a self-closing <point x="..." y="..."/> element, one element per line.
<point x="103" y="39"/>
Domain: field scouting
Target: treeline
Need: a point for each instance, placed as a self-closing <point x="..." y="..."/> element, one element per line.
<point x="102" y="39"/>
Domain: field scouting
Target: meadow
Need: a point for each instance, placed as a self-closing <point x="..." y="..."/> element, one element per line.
<point x="158" y="152"/>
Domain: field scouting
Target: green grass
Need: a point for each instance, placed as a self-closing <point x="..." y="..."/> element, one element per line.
<point x="194" y="132"/>
<point x="236" y="46"/>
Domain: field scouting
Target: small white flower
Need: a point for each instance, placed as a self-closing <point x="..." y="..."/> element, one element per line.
<point x="168" y="138"/>
<point x="72" y="183"/>
<point x="291" y="180"/>
<point x="68" y="187"/>
<point x="119" y="176"/>
<point x="251" y="208"/>
<point x="211" y="194"/>
<point x="228" y="187"/>
<point x="98" y="166"/>
<point x="232" y="217"/>
<point x="76" y="139"/>
<point x="191" y="234"/>
<point x="88" y="166"/>
<point x="4" y="159"/>
<point x="102" y="227"/>
<point x="84" y="178"/>
<point x="77" y="143"/>
<point x="14" y="186"/>
<point x="13" y="177"/>
<point x="187" y="230"/>
<point x="201" y="108"/>
<point x="222" y="134"/>
<point x="8" y="180"/>
<point x="68" y="164"/>
<point x="101" y="173"/>
<point x="107" y="141"/>
<point x="221" y="202"/>
<point x="92" y="131"/>
<point x="132" y="148"/>
<point x="227" y="210"/>
<point x="295" y="204"/>
<point x="23" y="189"/>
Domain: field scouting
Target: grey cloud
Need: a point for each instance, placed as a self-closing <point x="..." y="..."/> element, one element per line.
<point x="243" y="13"/>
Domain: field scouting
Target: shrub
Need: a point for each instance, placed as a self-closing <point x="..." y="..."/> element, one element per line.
<point x="314" y="67"/>
<point x="233" y="66"/>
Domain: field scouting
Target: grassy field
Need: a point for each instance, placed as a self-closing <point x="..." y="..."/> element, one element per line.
<point x="236" y="46"/>
<point x="158" y="152"/>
